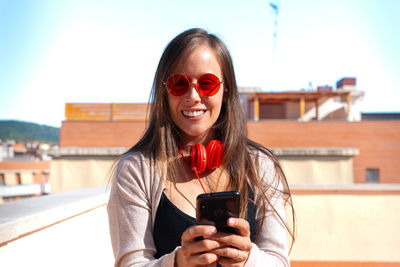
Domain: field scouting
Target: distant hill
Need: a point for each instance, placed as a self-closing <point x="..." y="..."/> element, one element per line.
<point x="28" y="131"/>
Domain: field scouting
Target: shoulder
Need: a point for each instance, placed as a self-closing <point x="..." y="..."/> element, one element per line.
<point x="133" y="159"/>
<point x="135" y="170"/>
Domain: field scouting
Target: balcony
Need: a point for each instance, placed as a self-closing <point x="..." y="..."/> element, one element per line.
<point x="338" y="225"/>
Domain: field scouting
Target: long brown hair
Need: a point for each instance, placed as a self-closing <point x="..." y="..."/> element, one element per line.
<point x="162" y="137"/>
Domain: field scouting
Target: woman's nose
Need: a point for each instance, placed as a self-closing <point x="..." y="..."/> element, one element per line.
<point x="193" y="93"/>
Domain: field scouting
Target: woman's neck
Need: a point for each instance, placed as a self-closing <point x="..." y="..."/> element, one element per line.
<point x="200" y="139"/>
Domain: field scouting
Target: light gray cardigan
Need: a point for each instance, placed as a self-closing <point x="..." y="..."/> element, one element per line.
<point x="135" y="194"/>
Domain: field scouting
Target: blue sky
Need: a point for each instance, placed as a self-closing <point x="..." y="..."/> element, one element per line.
<point x="53" y="52"/>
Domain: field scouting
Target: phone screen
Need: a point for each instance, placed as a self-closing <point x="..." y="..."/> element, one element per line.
<point x="216" y="208"/>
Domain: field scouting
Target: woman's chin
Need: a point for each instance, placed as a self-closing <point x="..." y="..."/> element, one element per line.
<point x="196" y="137"/>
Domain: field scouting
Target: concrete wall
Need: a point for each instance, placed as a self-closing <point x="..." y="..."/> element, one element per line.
<point x="77" y="168"/>
<point x="73" y="174"/>
<point x="357" y="223"/>
<point x="317" y="170"/>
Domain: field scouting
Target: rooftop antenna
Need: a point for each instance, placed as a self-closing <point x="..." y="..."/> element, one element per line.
<point x="275" y="9"/>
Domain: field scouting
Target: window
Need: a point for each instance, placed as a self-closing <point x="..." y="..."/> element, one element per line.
<point x="372" y="175"/>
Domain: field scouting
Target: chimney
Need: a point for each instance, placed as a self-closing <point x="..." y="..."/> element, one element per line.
<point x="324" y="88"/>
<point x="346" y="84"/>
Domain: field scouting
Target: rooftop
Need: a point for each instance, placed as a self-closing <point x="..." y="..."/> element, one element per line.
<point x="71" y="228"/>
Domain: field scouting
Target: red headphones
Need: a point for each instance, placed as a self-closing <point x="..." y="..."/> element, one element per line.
<point x="200" y="157"/>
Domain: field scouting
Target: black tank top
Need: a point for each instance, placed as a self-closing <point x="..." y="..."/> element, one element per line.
<point x="171" y="222"/>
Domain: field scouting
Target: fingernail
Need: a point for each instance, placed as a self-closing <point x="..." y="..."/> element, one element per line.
<point x="213" y="230"/>
<point x="231" y="221"/>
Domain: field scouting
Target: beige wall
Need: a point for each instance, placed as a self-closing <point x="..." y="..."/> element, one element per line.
<point x="347" y="227"/>
<point x="73" y="174"/>
<point x="318" y="170"/>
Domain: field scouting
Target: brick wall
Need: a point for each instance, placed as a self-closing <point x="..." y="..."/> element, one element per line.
<point x="377" y="141"/>
<point x="100" y="133"/>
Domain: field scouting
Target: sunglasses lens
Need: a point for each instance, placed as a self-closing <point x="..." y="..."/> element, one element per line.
<point x="209" y="84"/>
<point x="177" y="84"/>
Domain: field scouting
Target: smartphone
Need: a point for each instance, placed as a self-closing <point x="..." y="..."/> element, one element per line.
<point x="216" y="208"/>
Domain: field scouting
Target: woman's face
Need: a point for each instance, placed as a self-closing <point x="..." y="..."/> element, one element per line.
<point x="192" y="112"/>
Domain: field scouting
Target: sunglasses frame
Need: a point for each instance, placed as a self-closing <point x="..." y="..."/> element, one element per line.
<point x="195" y="85"/>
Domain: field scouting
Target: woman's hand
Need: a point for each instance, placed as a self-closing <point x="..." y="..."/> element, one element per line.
<point x="235" y="249"/>
<point x="195" y="249"/>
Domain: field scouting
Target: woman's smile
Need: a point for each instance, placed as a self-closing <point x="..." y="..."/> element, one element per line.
<point x="194" y="114"/>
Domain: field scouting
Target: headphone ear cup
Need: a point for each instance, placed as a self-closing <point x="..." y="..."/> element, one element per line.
<point x="214" y="154"/>
<point x="198" y="158"/>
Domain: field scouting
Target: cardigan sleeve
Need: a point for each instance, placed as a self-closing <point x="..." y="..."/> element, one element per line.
<point x="270" y="248"/>
<point x="130" y="215"/>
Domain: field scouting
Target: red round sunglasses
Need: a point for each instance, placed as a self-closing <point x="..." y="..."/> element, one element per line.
<point x="178" y="84"/>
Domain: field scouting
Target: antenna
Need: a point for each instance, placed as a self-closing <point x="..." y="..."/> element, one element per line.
<point x="275" y="9"/>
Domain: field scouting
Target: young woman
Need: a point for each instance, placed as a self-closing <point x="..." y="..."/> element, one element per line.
<point x="152" y="203"/>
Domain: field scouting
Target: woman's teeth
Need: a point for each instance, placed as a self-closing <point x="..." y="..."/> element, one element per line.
<point x="193" y="113"/>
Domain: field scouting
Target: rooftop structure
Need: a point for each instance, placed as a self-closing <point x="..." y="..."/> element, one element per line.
<point x="305" y="105"/>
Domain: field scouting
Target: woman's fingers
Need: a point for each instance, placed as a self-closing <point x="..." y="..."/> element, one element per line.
<point x="203" y="259"/>
<point x="240" y="240"/>
<point x="231" y="256"/>
<point x="195" y="246"/>
<point x="201" y="246"/>
<point x="198" y="231"/>
<point x="228" y="252"/>
<point x="241" y="225"/>
<point x="237" y="247"/>
<point x="200" y="259"/>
